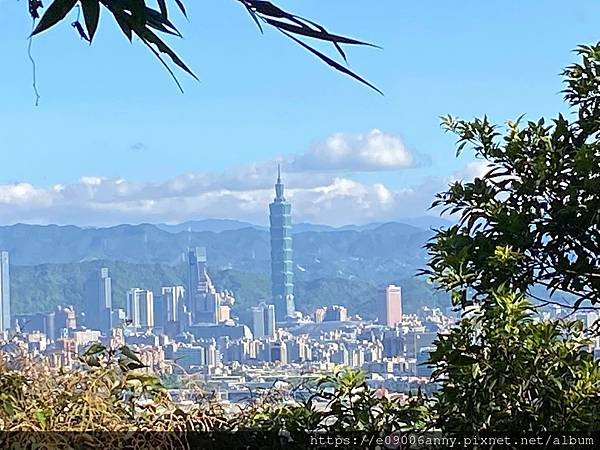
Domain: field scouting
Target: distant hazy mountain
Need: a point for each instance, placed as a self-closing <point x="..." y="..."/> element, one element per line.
<point x="424" y="222"/>
<point x="214" y="225"/>
<point x="219" y="225"/>
<point x="331" y="265"/>
<point x="304" y="227"/>
<point x="386" y="248"/>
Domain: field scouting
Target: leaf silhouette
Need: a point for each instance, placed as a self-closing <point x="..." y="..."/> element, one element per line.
<point x="162" y="5"/>
<point x="181" y="7"/>
<point x="326" y="59"/>
<point x="134" y="17"/>
<point x="56" y="12"/>
<point x="91" y="15"/>
<point x="291" y="24"/>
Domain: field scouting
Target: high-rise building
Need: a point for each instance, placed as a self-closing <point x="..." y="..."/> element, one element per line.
<point x="213" y="356"/>
<point x="159" y="317"/>
<point x="203" y="306"/>
<point x="196" y="274"/>
<point x="169" y="308"/>
<point x="341" y="356"/>
<point x="189" y="357"/>
<point x="393" y="343"/>
<point x="98" y="296"/>
<point x="319" y="314"/>
<point x="204" y="303"/>
<point x="263" y="320"/>
<point x="105" y="300"/>
<point x="298" y="350"/>
<point x="269" y="320"/>
<point x="390" y="307"/>
<point x="4" y="292"/>
<point x="64" y="320"/>
<point x="258" y="322"/>
<point x="277" y="352"/>
<point x="118" y="316"/>
<point x="282" y="266"/>
<point x="140" y="308"/>
<point x="172" y="297"/>
<point x="105" y="289"/>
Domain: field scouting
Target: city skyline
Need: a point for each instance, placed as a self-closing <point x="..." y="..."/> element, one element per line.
<point x="177" y="309"/>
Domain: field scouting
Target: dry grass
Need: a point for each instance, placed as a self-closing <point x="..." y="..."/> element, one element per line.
<point x="36" y="398"/>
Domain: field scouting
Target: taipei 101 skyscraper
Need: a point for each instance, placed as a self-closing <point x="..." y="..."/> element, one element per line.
<point x="282" y="265"/>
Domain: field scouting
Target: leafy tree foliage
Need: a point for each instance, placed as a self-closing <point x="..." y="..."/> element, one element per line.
<point x="340" y="402"/>
<point x="500" y="370"/>
<point x="532" y="220"/>
<point x="137" y="18"/>
<point x="534" y="217"/>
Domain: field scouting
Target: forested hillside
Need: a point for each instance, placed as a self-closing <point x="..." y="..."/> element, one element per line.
<point x="52" y="265"/>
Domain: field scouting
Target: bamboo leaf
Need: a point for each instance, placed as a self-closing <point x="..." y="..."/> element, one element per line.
<point x="91" y="15"/>
<point x="181" y="8"/>
<point x="337" y="66"/>
<point x="162" y="5"/>
<point x="320" y="34"/>
<point x="56" y="12"/>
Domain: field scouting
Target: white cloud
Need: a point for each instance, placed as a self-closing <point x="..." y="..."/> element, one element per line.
<point x="23" y="194"/>
<point x="373" y="151"/>
<point x="314" y="184"/>
<point x="335" y="201"/>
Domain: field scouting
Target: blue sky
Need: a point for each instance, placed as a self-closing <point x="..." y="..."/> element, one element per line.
<point x="109" y="113"/>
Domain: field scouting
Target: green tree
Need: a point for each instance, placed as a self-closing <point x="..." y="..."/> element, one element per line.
<point x="148" y="23"/>
<point x="532" y="220"/>
<point x="339" y="403"/>
<point x="503" y="371"/>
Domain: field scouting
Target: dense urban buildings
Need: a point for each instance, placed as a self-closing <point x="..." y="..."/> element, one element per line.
<point x="282" y="265"/>
<point x="172" y="298"/>
<point x="335" y="313"/>
<point x="191" y="330"/>
<point x="5" y="319"/>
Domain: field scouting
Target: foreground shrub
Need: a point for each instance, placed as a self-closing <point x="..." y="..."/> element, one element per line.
<point x="501" y="371"/>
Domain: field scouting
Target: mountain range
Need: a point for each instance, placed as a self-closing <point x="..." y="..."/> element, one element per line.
<point x="348" y="266"/>
<point x="218" y="225"/>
